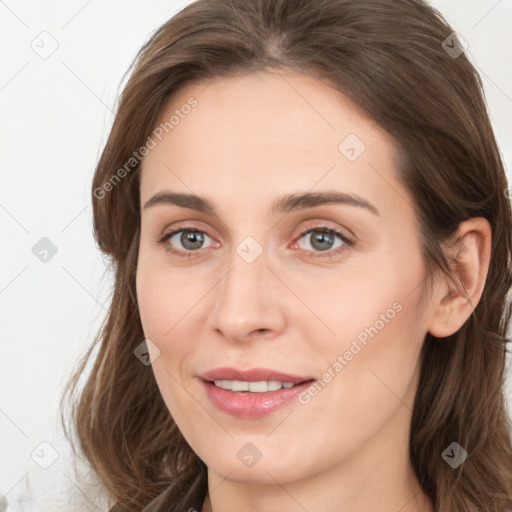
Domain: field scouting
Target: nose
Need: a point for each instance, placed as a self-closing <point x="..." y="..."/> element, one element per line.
<point x="248" y="301"/>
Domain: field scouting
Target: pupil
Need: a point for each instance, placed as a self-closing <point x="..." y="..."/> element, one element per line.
<point x="191" y="237"/>
<point x="322" y="238"/>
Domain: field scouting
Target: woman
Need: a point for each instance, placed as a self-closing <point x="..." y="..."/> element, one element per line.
<point x="306" y="212"/>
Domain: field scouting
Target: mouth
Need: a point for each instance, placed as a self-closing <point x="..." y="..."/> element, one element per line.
<point x="261" y="386"/>
<point x="253" y="393"/>
<point x="255" y="375"/>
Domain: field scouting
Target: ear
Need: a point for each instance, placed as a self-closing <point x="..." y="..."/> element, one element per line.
<point x="455" y="302"/>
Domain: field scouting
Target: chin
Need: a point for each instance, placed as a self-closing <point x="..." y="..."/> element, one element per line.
<point x="266" y="470"/>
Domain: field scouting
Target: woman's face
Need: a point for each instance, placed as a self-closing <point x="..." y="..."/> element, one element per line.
<point x="251" y="285"/>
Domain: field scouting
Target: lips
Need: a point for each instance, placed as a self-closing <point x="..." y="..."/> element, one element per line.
<point x="254" y="375"/>
<point x="246" y="404"/>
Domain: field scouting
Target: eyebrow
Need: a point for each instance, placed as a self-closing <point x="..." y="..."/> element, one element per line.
<point x="288" y="203"/>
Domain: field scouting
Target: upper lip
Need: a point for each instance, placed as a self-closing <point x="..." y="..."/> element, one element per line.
<point x="253" y="375"/>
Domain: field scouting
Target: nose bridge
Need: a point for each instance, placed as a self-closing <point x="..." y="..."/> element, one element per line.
<point x="246" y="298"/>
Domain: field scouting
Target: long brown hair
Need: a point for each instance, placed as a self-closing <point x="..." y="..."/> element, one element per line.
<point x="400" y="61"/>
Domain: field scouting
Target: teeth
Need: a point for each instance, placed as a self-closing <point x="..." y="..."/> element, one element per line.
<point x="253" y="387"/>
<point x="239" y="385"/>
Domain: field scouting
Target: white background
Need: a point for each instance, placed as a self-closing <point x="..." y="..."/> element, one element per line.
<point x="55" y="116"/>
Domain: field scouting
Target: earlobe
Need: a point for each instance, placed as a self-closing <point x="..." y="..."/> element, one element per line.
<point x="456" y="299"/>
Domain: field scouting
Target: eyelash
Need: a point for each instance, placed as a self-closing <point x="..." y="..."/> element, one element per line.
<point x="347" y="243"/>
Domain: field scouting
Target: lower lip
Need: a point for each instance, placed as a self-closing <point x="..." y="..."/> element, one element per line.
<point x="252" y="405"/>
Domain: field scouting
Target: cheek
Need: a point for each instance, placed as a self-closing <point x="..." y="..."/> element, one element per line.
<point x="377" y="327"/>
<point x="168" y="301"/>
<point x="154" y="304"/>
<point x="164" y="299"/>
<point x="368" y="371"/>
<point x="163" y="306"/>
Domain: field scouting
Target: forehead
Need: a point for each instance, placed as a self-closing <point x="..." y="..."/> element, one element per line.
<point x="265" y="133"/>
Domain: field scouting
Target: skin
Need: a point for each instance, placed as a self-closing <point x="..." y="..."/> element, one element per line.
<point x="249" y="141"/>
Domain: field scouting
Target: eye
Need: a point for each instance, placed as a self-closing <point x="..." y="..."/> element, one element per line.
<point x="190" y="239"/>
<point x="324" y="240"/>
